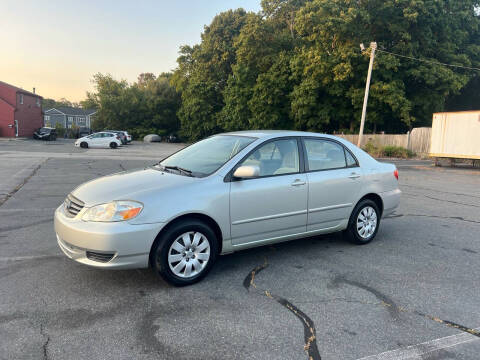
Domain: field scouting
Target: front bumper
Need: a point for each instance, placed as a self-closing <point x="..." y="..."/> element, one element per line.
<point x="391" y="200"/>
<point x="124" y="245"/>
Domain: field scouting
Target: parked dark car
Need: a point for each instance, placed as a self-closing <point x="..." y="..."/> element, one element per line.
<point x="172" y="138"/>
<point x="121" y="134"/>
<point x="84" y="132"/>
<point x="45" y="133"/>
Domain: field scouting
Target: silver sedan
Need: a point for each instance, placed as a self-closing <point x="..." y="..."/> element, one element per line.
<point x="225" y="193"/>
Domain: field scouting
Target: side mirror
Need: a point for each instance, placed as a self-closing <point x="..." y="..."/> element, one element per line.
<point x="247" y="171"/>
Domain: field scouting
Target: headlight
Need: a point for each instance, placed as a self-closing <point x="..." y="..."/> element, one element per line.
<point x="114" y="211"/>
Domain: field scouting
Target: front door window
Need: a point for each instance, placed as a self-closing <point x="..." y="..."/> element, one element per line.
<point x="276" y="158"/>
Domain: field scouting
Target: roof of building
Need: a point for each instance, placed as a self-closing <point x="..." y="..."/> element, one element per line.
<point x="67" y="110"/>
<point x="20" y="90"/>
<point x="6" y="102"/>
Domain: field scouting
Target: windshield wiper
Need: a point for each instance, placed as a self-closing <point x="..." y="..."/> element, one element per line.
<point x="178" y="168"/>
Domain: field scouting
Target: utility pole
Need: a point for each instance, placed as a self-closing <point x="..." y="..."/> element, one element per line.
<point x="373" y="47"/>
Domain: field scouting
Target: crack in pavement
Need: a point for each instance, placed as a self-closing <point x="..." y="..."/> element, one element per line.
<point x="17" y="227"/>
<point x="310" y="346"/>
<point x="443" y="200"/>
<point x="19" y="186"/>
<point x="45" y="344"/>
<point x="440" y="191"/>
<point x="393" y="310"/>
<point x="433" y="216"/>
<point x="392" y="307"/>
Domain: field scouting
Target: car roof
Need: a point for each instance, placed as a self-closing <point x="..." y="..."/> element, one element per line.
<point x="263" y="134"/>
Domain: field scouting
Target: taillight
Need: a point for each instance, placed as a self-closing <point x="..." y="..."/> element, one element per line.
<point x="118" y="138"/>
<point x="395" y="173"/>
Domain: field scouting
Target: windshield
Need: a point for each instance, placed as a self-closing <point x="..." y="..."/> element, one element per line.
<point x="207" y="156"/>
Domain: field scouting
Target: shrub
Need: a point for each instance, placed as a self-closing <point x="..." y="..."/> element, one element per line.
<point x="139" y="132"/>
<point x="372" y="149"/>
<point x="60" y="130"/>
<point x="397" y="151"/>
<point x="388" y="151"/>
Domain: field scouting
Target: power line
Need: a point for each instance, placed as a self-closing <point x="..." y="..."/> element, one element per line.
<point x="429" y="61"/>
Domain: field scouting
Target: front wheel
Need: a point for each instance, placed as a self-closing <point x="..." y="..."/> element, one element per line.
<point x="113" y="145"/>
<point x="84" y="145"/>
<point x="185" y="253"/>
<point x="364" y="222"/>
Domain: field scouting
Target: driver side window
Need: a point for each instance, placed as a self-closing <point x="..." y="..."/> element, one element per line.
<point x="275" y="158"/>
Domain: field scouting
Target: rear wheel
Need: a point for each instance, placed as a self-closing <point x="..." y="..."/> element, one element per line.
<point x="84" y="145"/>
<point x="185" y="253"/>
<point x="364" y="222"/>
<point x="113" y="145"/>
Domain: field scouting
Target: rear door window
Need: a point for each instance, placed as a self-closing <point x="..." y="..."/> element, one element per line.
<point x="324" y="155"/>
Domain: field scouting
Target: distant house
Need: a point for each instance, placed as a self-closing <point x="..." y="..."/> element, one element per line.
<point x="20" y="111"/>
<point x="67" y="116"/>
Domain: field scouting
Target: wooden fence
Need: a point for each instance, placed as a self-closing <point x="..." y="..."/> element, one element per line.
<point x="418" y="140"/>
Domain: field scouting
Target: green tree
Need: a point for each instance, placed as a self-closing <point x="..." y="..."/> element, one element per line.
<point x="404" y="93"/>
<point x="147" y="106"/>
<point x="270" y="106"/>
<point x="203" y="73"/>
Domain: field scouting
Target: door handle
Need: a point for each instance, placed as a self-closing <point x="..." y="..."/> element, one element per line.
<point x="354" y="176"/>
<point x="298" y="182"/>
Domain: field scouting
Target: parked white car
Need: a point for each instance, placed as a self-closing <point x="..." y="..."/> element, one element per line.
<point x="226" y="193"/>
<point x="129" y="137"/>
<point x="99" y="140"/>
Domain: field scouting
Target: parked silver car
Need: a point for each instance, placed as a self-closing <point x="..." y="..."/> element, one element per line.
<point x="225" y="193"/>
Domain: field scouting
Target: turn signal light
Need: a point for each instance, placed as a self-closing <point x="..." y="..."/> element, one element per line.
<point x="395" y="173"/>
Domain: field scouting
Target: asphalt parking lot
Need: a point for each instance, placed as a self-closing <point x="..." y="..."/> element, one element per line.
<point x="412" y="293"/>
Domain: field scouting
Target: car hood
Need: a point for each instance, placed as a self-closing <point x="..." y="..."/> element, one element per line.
<point x="128" y="185"/>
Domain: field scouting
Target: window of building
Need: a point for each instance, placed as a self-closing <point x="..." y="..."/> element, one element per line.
<point x="46" y="120"/>
<point x="81" y="121"/>
<point x="21" y="98"/>
<point x="70" y="121"/>
<point x="38" y="102"/>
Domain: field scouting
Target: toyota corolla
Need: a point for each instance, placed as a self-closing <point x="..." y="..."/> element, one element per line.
<point x="226" y="193"/>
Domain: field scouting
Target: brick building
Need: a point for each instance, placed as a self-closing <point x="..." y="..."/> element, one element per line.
<point x="20" y="111"/>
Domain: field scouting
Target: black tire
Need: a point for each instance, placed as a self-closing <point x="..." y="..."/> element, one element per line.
<point x="352" y="233"/>
<point x="161" y="248"/>
<point x="113" y="145"/>
<point x="84" y="145"/>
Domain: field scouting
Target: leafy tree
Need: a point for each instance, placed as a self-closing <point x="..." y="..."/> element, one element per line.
<point x="51" y="103"/>
<point x="404" y="93"/>
<point x="269" y="104"/>
<point x="236" y="114"/>
<point x="203" y="74"/>
<point x="144" y="78"/>
<point x="147" y="106"/>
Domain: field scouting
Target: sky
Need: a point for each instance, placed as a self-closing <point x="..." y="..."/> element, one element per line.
<point x="57" y="46"/>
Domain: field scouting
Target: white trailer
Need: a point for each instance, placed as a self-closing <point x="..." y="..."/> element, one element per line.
<point x="456" y="135"/>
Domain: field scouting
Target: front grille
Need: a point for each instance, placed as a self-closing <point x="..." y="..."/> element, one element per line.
<point x="73" y="205"/>
<point x="100" y="257"/>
